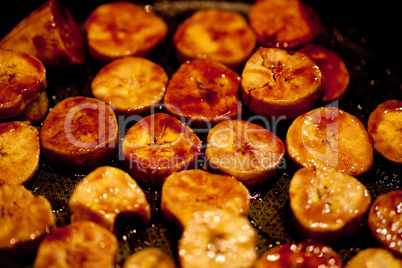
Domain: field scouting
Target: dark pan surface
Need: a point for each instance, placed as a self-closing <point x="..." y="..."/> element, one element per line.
<point x="375" y="77"/>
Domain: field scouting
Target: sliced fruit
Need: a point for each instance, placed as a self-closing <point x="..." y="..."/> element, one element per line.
<point x="22" y="80"/>
<point x="327" y="205"/>
<point x="385" y="127"/>
<point x="374" y="257"/>
<point x="275" y="83"/>
<point x="149" y="258"/>
<point x="37" y="110"/>
<point x="106" y="193"/>
<point x="121" y="29"/>
<point x="131" y="85"/>
<point x="25" y="219"/>
<point x="217" y="238"/>
<point x="328" y="136"/>
<point x="19" y="152"/>
<point x="204" y="93"/>
<point x="385" y="220"/>
<point x="335" y="74"/>
<point x="202" y="36"/>
<point x="284" y="24"/>
<point x="303" y="254"/>
<point x="79" y="244"/>
<point x="186" y="192"/>
<point x="244" y="150"/>
<point x="49" y="33"/>
<point x="80" y="132"/>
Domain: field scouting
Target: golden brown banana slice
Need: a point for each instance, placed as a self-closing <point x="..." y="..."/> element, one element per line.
<point x="80" y="132"/>
<point x="131" y="85"/>
<point x="244" y="150"/>
<point x="217" y="238"/>
<point x="158" y="146"/>
<point x="106" y="193"/>
<point x="203" y="92"/>
<point x="37" y="110"/>
<point x="22" y="80"/>
<point x="303" y="254"/>
<point x="19" y="152"/>
<point x="385" y="220"/>
<point x="24" y="218"/>
<point x="186" y="192"/>
<point x="79" y="244"/>
<point x="149" y="258"/>
<point x="275" y="83"/>
<point x="327" y="205"/>
<point x="374" y="258"/>
<point x="330" y="137"/>
<point x="283" y="24"/>
<point x="49" y="33"/>
<point x="385" y="127"/>
<point x="203" y="36"/>
<point x="121" y="29"/>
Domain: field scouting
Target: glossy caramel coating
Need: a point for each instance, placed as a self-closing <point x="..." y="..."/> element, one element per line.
<point x="22" y="80"/>
<point x="149" y="258"/>
<point x="374" y="257"/>
<point x="37" y="110"/>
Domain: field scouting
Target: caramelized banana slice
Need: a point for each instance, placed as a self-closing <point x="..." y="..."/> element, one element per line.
<point x="49" y="33"/>
<point x="106" y="193"/>
<point x="22" y="80"/>
<point x="158" y="146"/>
<point x="121" y="29"/>
<point x="131" y="85"/>
<point x="374" y="257"/>
<point x="385" y="220"/>
<point x="149" y="258"/>
<point x="330" y="137"/>
<point x="283" y="24"/>
<point x="203" y="36"/>
<point x="244" y="150"/>
<point x="79" y="132"/>
<point x="37" y="110"/>
<point x="217" y="238"/>
<point x="203" y="92"/>
<point x="335" y="74"/>
<point x="24" y="218"/>
<point x="275" y="83"/>
<point x="385" y="127"/>
<point x="304" y="254"/>
<point x="79" y="244"/>
<point x="186" y="192"/>
<point x="327" y="205"/>
<point x="19" y="152"/>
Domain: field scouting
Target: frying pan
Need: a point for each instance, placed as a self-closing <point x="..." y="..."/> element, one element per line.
<point x="365" y="37"/>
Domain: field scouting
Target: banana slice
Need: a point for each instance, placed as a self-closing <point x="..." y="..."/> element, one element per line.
<point x="385" y="127"/>
<point x="327" y="205"/>
<point x="335" y="74"/>
<point x="374" y="258"/>
<point x="330" y="137"/>
<point x="303" y="254"/>
<point x="158" y="146"/>
<point x="79" y="244"/>
<point x="284" y="24"/>
<point x="131" y="85"/>
<point x="203" y="92"/>
<point x="22" y="80"/>
<point x="79" y="132"/>
<point x="217" y="238"/>
<point x="24" y="218"/>
<point x="385" y="220"/>
<point x="121" y="29"/>
<point x="149" y="258"/>
<point x="244" y="150"/>
<point x="49" y="33"/>
<point x="275" y="83"/>
<point x="19" y="152"/>
<point x="202" y="36"/>
<point x="106" y="193"/>
<point x="186" y="192"/>
<point x="36" y="111"/>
